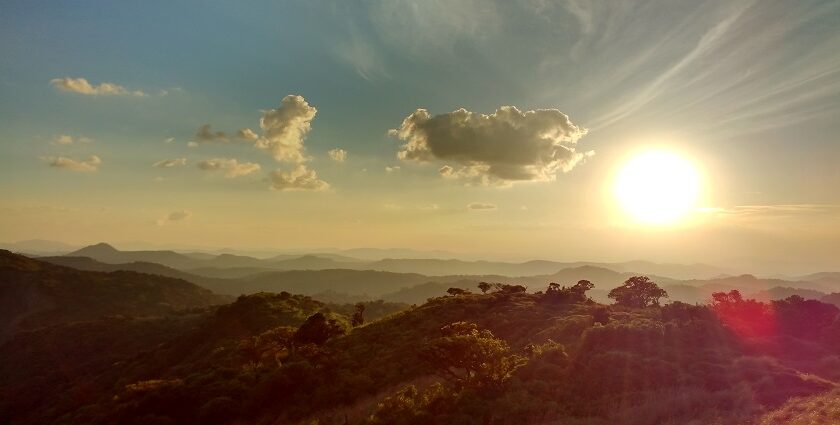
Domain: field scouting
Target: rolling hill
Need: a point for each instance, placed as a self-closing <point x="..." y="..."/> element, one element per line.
<point x="35" y="294"/>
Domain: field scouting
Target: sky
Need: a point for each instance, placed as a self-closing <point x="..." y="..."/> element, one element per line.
<point x="488" y="128"/>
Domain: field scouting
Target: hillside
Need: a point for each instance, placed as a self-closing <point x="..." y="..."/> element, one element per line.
<point x="35" y="293"/>
<point x="542" y="359"/>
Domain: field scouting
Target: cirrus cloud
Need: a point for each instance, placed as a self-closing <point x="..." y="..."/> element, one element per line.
<point x="232" y="168"/>
<point x="506" y="146"/>
<point x="82" y="86"/>
<point x="89" y="165"/>
<point x="301" y="178"/>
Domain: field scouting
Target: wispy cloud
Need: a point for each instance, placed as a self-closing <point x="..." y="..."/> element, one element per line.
<point x="173" y="218"/>
<point x="169" y="163"/>
<point x="66" y="140"/>
<point x="231" y="168"/>
<point x="481" y="206"/>
<point x="82" y="86"/>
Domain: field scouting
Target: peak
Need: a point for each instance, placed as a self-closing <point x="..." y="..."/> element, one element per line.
<point x="100" y="247"/>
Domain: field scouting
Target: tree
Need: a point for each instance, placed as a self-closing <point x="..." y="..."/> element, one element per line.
<point x="317" y="329"/>
<point x="359" y="315"/>
<point x="467" y="356"/>
<point x="457" y="291"/>
<point x="575" y="294"/>
<point x="638" y="292"/>
<point x="484" y="286"/>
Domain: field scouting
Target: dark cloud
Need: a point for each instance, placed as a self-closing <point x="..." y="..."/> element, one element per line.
<point x="504" y="147"/>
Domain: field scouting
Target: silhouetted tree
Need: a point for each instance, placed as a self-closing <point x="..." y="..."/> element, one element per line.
<point x="457" y="291"/>
<point x="484" y="286"/>
<point x="638" y="292"/>
<point x="465" y="355"/>
<point x="359" y="315"/>
<point x="804" y="318"/>
<point x="317" y="329"/>
<point x="574" y="294"/>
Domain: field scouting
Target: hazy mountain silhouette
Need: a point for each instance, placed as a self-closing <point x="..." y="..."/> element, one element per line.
<point x="428" y="266"/>
<point x="36" y="293"/>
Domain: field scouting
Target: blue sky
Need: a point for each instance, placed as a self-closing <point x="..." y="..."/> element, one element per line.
<point x="749" y="91"/>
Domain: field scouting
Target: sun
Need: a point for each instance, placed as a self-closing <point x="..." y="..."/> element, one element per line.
<point x="658" y="187"/>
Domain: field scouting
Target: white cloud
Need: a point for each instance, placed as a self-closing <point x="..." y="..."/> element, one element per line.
<point x="89" y="165"/>
<point x="169" y="140"/>
<point x="337" y="155"/>
<point x="394" y="169"/>
<point x="285" y="128"/>
<point x="65" y="140"/>
<point x="506" y="146"/>
<point x="247" y="134"/>
<point x="480" y="206"/>
<point x="168" y="163"/>
<point x="192" y="144"/>
<point x="231" y="167"/>
<point x="301" y="178"/>
<point x="82" y="86"/>
<point x="174" y="217"/>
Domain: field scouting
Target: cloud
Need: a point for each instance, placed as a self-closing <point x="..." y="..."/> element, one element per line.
<point x="89" y="165"/>
<point x="205" y="135"/>
<point x="231" y="167"/>
<point x="478" y="206"/>
<point x="285" y="128"/>
<point x="65" y="140"/>
<point x="82" y="86"/>
<point x="247" y="134"/>
<point x="169" y="140"/>
<point x="301" y="178"/>
<point x="168" y="163"/>
<point x="192" y="144"/>
<point x="393" y="169"/>
<point x="506" y="146"/>
<point x="173" y="217"/>
<point x="337" y="155"/>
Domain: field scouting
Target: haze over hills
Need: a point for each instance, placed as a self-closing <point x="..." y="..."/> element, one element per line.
<point x="35" y="294"/>
<point x="429" y="266"/>
<point x="347" y="283"/>
<point x="284" y="358"/>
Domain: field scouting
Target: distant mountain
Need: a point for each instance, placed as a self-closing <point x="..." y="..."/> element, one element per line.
<point x="38" y="247"/>
<point x="108" y="254"/>
<point x="780" y="293"/>
<point x="36" y="293"/>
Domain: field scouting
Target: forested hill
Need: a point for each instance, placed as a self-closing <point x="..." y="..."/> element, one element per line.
<point x="35" y="293"/>
<point x="501" y="356"/>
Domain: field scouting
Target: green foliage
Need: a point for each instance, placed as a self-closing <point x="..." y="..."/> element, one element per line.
<point x="467" y="356"/>
<point x="638" y="292"/>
